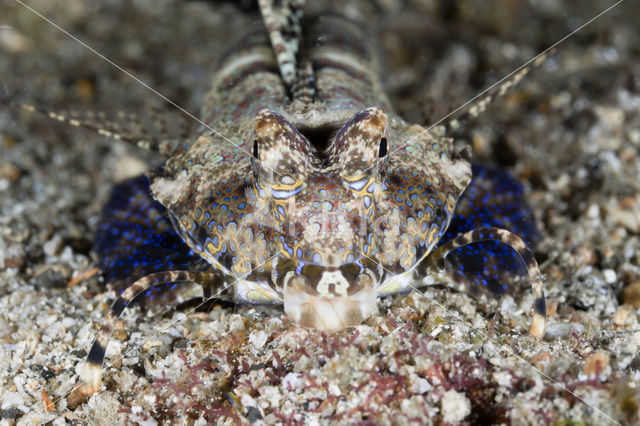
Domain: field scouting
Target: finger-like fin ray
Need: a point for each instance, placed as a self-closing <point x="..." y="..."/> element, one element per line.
<point x="212" y="283"/>
<point x="437" y="259"/>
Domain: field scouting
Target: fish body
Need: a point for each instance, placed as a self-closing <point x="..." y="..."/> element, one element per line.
<point x="339" y="198"/>
<point x="306" y="190"/>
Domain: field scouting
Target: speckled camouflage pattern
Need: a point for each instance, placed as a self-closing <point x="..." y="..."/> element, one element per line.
<point x="323" y="200"/>
<point x="312" y="192"/>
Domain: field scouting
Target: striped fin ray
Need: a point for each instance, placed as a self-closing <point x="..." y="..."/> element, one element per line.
<point x="438" y="257"/>
<point x="479" y="103"/>
<point x="150" y="132"/>
<point x="282" y="19"/>
<point x="492" y="199"/>
<point x="135" y="238"/>
<point x="211" y="284"/>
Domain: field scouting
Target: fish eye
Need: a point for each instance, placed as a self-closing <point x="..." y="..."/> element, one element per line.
<point x="383" y="148"/>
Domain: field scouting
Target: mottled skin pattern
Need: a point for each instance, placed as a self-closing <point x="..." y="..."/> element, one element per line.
<point x="323" y="203"/>
<point x="322" y="198"/>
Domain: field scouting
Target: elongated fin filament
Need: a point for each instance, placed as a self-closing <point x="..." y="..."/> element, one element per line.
<point x="98" y="122"/>
<point x="212" y="283"/>
<point x="437" y="260"/>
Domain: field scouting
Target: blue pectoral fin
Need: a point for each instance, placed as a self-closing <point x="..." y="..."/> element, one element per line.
<point x="135" y="238"/>
<point x="493" y="199"/>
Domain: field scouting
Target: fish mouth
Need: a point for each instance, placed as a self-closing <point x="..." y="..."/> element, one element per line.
<point x="328" y="313"/>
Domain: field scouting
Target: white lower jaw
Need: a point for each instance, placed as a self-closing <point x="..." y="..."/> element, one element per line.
<point x="330" y="314"/>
